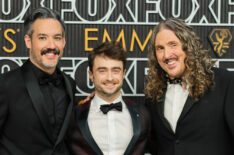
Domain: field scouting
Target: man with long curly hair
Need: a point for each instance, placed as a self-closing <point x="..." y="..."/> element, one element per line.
<point x="191" y="102"/>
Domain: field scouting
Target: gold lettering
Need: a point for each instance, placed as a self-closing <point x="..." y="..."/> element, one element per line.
<point x="121" y="37"/>
<point x="105" y="36"/>
<point x="135" y="37"/>
<point x="10" y="40"/>
<point x="87" y="38"/>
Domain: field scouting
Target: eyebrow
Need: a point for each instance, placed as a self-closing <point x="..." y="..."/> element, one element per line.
<point x="44" y="34"/>
<point x="116" y="68"/>
<point x="172" y="42"/>
<point x="106" y="68"/>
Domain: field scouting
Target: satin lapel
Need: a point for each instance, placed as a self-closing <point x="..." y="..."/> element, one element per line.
<point x="37" y="98"/>
<point x="187" y="106"/>
<point x="134" y="110"/>
<point x="68" y="112"/>
<point x="82" y="116"/>
<point x="160" y="109"/>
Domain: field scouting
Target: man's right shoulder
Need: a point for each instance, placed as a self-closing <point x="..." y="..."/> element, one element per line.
<point x="10" y="74"/>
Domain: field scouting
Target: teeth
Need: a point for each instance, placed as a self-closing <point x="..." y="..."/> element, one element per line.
<point x="109" y="84"/>
<point x="171" y="63"/>
<point x="50" y="53"/>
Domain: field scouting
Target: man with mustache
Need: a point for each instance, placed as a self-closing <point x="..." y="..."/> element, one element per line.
<point x="109" y="124"/>
<point x="36" y="99"/>
<point x="191" y="103"/>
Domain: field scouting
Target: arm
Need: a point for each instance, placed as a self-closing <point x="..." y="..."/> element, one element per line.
<point x="151" y="146"/>
<point x="229" y="106"/>
<point x="3" y="105"/>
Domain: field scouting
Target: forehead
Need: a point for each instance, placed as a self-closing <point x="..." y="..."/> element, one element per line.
<point x="47" y="26"/>
<point x="106" y="62"/>
<point x="166" y="36"/>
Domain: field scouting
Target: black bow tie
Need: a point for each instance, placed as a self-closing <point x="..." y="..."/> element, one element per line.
<point x="54" y="79"/>
<point x="107" y="107"/>
<point x="174" y="81"/>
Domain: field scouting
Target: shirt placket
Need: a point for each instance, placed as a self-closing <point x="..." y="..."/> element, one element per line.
<point x="112" y="132"/>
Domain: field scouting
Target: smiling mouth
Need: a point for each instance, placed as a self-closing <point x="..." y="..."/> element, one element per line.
<point x="50" y="52"/>
<point x="171" y="62"/>
<point x="109" y="84"/>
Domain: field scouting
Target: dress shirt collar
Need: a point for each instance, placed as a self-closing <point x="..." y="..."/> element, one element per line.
<point x="40" y="73"/>
<point x="97" y="102"/>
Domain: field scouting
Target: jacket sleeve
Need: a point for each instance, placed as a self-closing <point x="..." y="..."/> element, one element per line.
<point x="151" y="146"/>
<point x="3" y="104"/>
<point x="229" y="106"/>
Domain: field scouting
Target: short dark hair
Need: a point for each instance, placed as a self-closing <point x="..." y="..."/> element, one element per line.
<point x="112" y="50"/>
<point x="41" y="13"/>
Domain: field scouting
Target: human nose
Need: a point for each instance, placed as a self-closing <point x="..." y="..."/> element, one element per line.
<point x="167" y="53"/>
<point x="109" y="76"/>
<point x="51" y="44"/>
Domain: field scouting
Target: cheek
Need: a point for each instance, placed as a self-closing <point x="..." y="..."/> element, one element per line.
<point x="61" y="48"/>
<point x="98" y="77"/>
<point x="159" y="57"/>
<point x="120" y="78"/>
<point x="183" y="56"/>
<point x="37" y="48"/>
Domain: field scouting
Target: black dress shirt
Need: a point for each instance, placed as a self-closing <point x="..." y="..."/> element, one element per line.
<point x="55" y="96"/>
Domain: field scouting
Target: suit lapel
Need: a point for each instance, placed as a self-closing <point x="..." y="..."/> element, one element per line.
<point x="160" y="109"/>
<point x="187" y="106"/>
<point x="37" y="98"/>
<point x="82" y="115"/>
<point x="68" y="112"/>
<point x="134" y="110"/>
<point x="160" y="106"/>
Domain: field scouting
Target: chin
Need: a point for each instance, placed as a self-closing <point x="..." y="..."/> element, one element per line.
<point x="50" y="65"/>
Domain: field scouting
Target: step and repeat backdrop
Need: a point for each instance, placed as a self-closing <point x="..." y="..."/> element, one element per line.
<point x="91" y="22"/>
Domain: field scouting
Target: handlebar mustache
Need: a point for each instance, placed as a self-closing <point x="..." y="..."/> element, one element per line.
<point x="55" y="51"/>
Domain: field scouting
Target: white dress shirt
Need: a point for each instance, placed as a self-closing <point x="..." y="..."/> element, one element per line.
<point x="175" y="99"/>
<point x="112" y="131"/>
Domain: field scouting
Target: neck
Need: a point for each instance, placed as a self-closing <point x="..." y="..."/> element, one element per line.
<point x="47" y="70"/>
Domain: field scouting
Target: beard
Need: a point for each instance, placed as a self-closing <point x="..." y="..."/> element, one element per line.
<point x="42" y="63"/>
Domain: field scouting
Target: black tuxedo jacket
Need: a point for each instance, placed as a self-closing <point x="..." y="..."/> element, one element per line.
<point x="205" y="127"/>
<point x="82" y="142"/>
<point x="24" y="123"/>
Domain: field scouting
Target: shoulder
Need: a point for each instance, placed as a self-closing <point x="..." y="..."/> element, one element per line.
<point x="82" y="105"/>
<point x="68" y="77"/>
<point x="150" y="103"/>
<point x="138" y="105"/>
<point x="11" y="75"/>
<point x="223" y="74"/>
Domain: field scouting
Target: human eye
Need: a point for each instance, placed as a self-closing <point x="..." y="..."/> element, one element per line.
<point x="159" y="48"/>
<point x="116" y="70"/>
<point x="173" y="44"/>
<point x="58" y="38"/>
<point x="42" y="38"/>
<point x="101" y="70"/>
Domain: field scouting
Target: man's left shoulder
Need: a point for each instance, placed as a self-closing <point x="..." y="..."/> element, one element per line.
<point x="223" y="73"/>
<point x="70" y="79"/>
<point x="138" y="104"/>
<point x="128" y="101"/>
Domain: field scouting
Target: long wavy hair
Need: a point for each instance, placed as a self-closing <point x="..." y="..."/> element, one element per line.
<point x="198" y="73"/>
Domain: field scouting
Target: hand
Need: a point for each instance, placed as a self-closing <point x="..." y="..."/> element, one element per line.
<point x="88" y="98"/>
